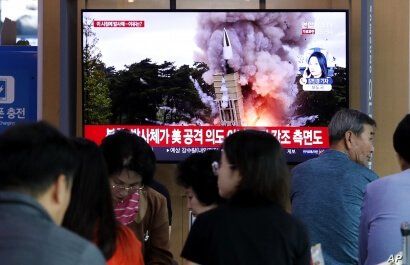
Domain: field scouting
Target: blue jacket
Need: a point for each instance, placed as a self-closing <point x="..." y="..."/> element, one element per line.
<point x="29" y="236"/>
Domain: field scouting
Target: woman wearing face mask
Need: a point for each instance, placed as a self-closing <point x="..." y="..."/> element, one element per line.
<point x="253" y="226"/>
<point x="198" y="178"/>
<point x="131" y="165"/>
<point x="90" y="214"/>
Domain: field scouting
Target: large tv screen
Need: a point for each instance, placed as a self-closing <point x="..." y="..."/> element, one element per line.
<point x="185" y="79"/>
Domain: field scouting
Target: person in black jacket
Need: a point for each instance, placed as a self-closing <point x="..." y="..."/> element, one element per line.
<point x="253" y="227"/>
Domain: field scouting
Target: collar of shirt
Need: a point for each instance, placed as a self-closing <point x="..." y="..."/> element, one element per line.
<point x="26" y="204"/>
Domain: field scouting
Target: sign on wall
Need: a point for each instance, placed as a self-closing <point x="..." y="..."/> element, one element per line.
<point x="18" y="85"/>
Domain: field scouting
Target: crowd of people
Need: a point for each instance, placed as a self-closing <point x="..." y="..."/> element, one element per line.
<point x="69" y="201"/>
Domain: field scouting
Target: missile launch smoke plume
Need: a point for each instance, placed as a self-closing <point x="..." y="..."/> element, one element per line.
<point x="205" y="98"/>
<point x="262" y="44"/>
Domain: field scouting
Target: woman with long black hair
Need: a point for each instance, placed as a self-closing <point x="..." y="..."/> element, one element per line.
<point x="90" y="213"/>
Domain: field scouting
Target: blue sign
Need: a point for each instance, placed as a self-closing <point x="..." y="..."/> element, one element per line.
<point x="18" y="85"/>
<point x="3" y="95"/>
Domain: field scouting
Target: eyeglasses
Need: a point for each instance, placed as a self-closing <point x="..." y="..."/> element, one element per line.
<point x="127" y="174"/>
<point x="216" y="166"/>
<point x="128" y="189"/>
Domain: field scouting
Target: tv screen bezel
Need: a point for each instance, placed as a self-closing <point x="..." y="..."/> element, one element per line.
<point x="346" y="11"/>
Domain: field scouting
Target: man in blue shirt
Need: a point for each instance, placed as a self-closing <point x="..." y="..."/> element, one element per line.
<point x="37" y="166"/>
<point x="386" y="205"/>
<point x="327" y="191"/>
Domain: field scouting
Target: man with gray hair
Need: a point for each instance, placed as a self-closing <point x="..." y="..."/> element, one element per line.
<point x="327" y="191"/>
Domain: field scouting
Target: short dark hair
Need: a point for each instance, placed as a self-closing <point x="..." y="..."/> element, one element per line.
<point x="90" y="213"/>
<point x="33" y="156"/>
<point x="196" y="172"/>
<point x="401" y="139"/>
<point x="259" y="158"/>
<point x="348" y="120"/>
<point x="126" y="150"/>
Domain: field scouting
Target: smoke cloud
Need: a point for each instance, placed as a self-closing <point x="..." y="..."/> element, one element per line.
<point x="262" y="45"/>
<point x="300" y="121"/>
<point x="225" y="96"/>
<point x="205" y="98"/>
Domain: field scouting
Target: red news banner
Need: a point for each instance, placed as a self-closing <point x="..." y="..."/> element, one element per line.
<point x="211" y="136"/>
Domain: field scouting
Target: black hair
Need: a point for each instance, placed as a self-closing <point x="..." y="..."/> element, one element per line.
<point x="90" y="213"/>
<point x="126" y="150"/>
<point x="196" y="172"/>
<point x="348" y="120"/>
<point x="33" y="156"/>
<point x="321" y="58"/>
<point x="401" y="140"/>
<point x="157" y="186"/>
<point x="258" y="157"/>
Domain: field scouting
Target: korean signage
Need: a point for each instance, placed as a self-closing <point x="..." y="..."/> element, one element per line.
<point x="18" y="85"/>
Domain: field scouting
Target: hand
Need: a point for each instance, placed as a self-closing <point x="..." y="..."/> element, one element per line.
<point x="304" y="78"/>
<point x="305" y="74"/>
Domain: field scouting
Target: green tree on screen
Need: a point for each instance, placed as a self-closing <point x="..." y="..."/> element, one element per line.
<point x="146" y="92"/>
<point x="96" y="100"/>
